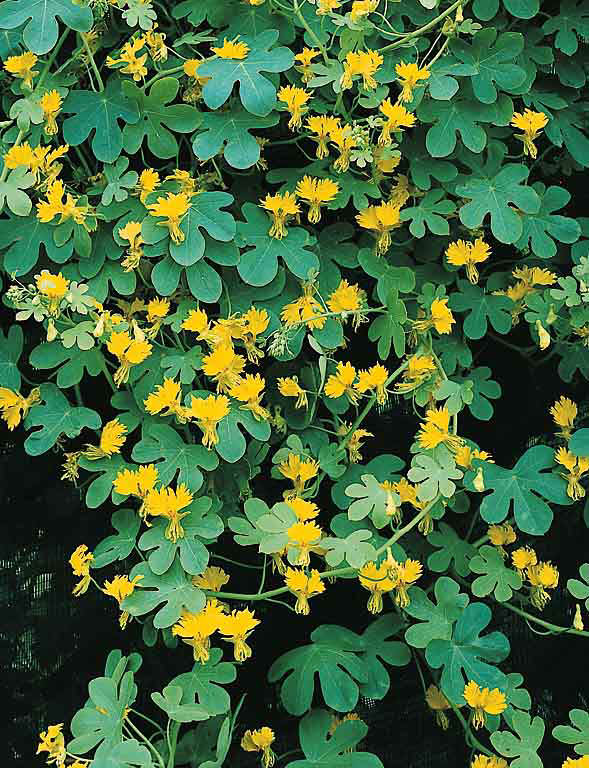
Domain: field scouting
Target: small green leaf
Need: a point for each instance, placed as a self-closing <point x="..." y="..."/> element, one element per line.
<point x="482" y="309"/>
<point x="524" y="747"/>
<point x="580" y="589"/>
<point x="11" y="346"/>
<point x="577" y="733"/>
<point x="437" y="618"/>
<point x="495" y="576"/>
<point x="120" y="545"/>
<point x="434" y="476"/>
<point x="203" y="686"/>
<point x="452" y="550"/>
<point x="228" y="133"/>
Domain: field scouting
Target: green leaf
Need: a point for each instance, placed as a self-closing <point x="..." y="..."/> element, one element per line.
<point x="434" y="476"/>
<point x="580" y="589"/>
<point x="324" y="749"/>
<point x="541" y="229"/>
<point x="259" y="265"/>
<point x="232" y="444"/>
<point x="11" y="346"/>
<point x="128" y="752"/>
<point x="488" y="62"/>
<point x="203" y="685"/>
<point x="571" y="23"/>
<point x="355" y="549"/>
<point x="577" y="733"/>
<point x="99" y="113"/>
<point x="199" y="525"/>
<point x="452" y="550"/>
<point x="117" y="181"/>
<point x="383" y="467"/>
<point x="105" y="471"/>
<point x="436" y="618"/>
<point x="73" y="363"/>
<point x="174" y="589"/>
<point x="495" y="576"/>
<point x="482" y="308"/>
<point x="198" y="11"/>
<point x="524" y="747"/>
<point x="330" y="656"/>
<point x="378" y="648"/>
<point x="120" y="545"/>
<point x="41" y="30"/>
<point x="257" y="93"/>
<point x="158" y="119"/>
<point x="228" y="133"/>
<point x="161" y="443"/>
<point x="524" y="491"/>
<point x="483" y="388"/>
<point x="55" y="417"/>
<point x="464" y="656"/>
<point x="245" y="527"/>
<point x="169" y="700"/>
<point x="492" y="194"/>
<point x="21" y="240"/>
<point x="433" y="210"/>
<point x="11" y="192"/>
<point x="370" y="498"/>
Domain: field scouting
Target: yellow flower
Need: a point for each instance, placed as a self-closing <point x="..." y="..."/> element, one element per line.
<point x="133" y="64"/>
<point x="21" y="155"/>
<point x="223" y="366"/>
<point x="346" y="298"/>
<point x="196" y="629"/>
<point x="260" y="740"/>
<point x="376" y="580"/>
<point x="465" y="455"/>
<point x="501" y="535"/>
<point x="305" y="61"/>
<point x="50" y="103"/>
<point x="22" y="67"/>
<point x="403" y="576"/>
<point x="148" y="181"/>
<point x="129" y="352"/>
<point x="419" y="369"/>
<point x="397" y="118"/>
<point x="578" y="619"/>
<point x="462" y="254"/>
<point x="53" y="287"/>
<point x="187" y="185"/>
<point x="80" y="562"/>
<point x="316" y="192"/>
<point x="213" y="578"/>
<point x="303" y="509"/>
<point x="131" y="232"/>
<point x="577" y="466"/>
<point x="438" y="703"/>
<point x="155" y="43"/>
<point x="343" y="138"/>
<point x="169" y="503"/>
<point x="484" y="702"/>
<point x="305" y="310"/>
<point x="409" y="76"/>
<point x="112" y="440"/>
<point x="296" y="100"/>
<point x="576" y="762"/>
<point x="157" y="309"/>
<point x="380" y="219"/>
<point x="342" y="383"/>
<point x="542" y="577"/>
<point x="280" y="207"/>
<point x="136" y="483"/>
<point x="120" y="588"/>
<point x="435" y="430"/>
<point x="303" y="586"/>
<point x="354" y="443"/>
<point x="52" y="740"/>
<point x="523" y="558"/>
<point x="374" y="379"/>
<point x="304" y="537"/>
<point x="56" y="205"/>
<point x="564" y="413"/>
<point x="237" y="627"/>
<point x="250" y="391"/>
<point x="531" y="123"/>
<point x="290" y="387"/>
<point x="299" y="471"/>
<point x="172" y="208"/>
<point x="327" y="6"/>
<point x="321" y="126"/>
<point x="441" y="318"/>
<point x="232" y="49"/>
<point x="14" y="406"/>
<point x="255" y="322"/>
<point x="167" y="399"/>
<point x="361" y="8"/>
<point x="208" y="412"/>
<point x="364" y="63"/>
<point x="482" y="761"/>
<point x="198" y="322"/>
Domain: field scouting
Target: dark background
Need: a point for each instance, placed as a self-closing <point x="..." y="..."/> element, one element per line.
<point x="52" y="644"/>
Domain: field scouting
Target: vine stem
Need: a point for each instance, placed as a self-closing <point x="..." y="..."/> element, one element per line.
<point x="172" y="738"/>
<point x="163" y="73"/>
<point x="52" y="58"/>
<point x="144" y="738"/>
<point x="470" y="737"/>
<point x="309" y="31"/>
<point x="19" y="137"/>
<point x="426" y="27"/>
<point x="543" y="623"/>
<point x="92" y="63"/>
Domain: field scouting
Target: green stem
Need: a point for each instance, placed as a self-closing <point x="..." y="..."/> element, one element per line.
<point x="92" y="63"/>
<point x="425" y="28"/>
<point x="310" y="32"/>
<point x="172" y="741"/>
<point x="108" y="376"/>
<point x="163" y="73"/>
<point x="144" y="738"/>
<point x="19" y="137"/>
<point x="52" y="58"/>
<point x="470" y="737"/>
<point x="546" y="624"/>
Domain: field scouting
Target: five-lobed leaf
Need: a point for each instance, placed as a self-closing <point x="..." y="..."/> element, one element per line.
<point x="39" y="17"/>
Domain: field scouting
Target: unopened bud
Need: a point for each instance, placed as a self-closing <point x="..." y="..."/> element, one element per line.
<point x="551" y="316"/>
<point x="543" y="336"/>
<point x="479" y="481"/>
<point x="578" y="620"/>
<point x="51" y="330"/>
<point x="459" y="15"/>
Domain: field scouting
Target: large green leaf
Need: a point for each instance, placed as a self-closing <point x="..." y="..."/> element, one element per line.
<point x="73" y="363"/>
<point x="464" y="656"/>
<point x="257" y="93"/>
<point x="570" y="24"/>
<point x="577" y="733"/>
<point x="324" y="749"/>
<point x="451" y="550"/>
<point x="158" y="118"/>
<point x="21" y="240"/>
<point x="541" y="229"/>
<point x="99" y="113"/>
<point x="232" y="444"/>
<point x="199" y="525"/>
<point x="259" y="264"/>
<point x="42" y="28"/>
<point x="482" y="308"/>
<point x="11" y="346"/>
<point x="378" y="648"/>
<point x="174" y="589"/>
<point x="203" y="686"/>
<point x="524" y="491"/>
<point x="495" y="576"/>
<point x="170" y="701"/>
<point x="55" y="417"/>
<point x="436" y="618"/>
<point x="118" y="546"/>
<point x="433" y="211"/>
<point x="525" y="745"/>
<point x="161" y="443"/>
<point x="229" y="133"/>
